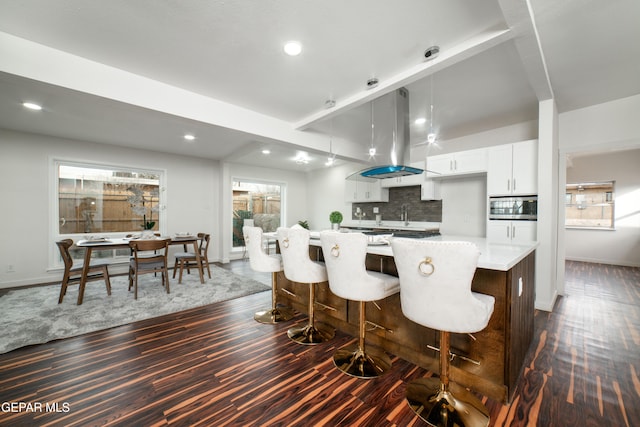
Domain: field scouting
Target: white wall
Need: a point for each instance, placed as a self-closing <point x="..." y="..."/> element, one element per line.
<point x="25" y="179"/>
<point x="622" y="245"/>
<point x="464" y="206"/>
<point x="597" y="129"/>
<point x="326" y="186"/>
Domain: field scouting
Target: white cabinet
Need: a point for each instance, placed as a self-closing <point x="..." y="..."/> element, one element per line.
<point x="513" y="169"/>
<point x="430" y="190"/>
<point x="512" y="231"/>
<point x="405" y="181"/>
<point x="460" y="163"/>
<point x="362" y="191"/>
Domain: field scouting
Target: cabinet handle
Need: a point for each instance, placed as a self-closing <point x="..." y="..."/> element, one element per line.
<point x="508" y="185"/>
<point x="514" y="184"/>
<point x="455" y="165"/>
<point x="513" y="231"/>
<point x="450" y="165"/>
<point x="508" y="231"/>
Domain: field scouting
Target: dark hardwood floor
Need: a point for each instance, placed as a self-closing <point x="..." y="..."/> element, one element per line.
<point x="216" y="366"/>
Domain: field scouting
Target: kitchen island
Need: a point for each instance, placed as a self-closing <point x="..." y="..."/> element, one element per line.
<point x="489" y="362"/>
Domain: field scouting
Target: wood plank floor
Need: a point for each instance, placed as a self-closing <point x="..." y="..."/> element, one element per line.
<point x="215" y="366"/>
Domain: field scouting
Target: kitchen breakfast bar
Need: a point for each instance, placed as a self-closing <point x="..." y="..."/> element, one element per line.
<point x="489" y="362"/>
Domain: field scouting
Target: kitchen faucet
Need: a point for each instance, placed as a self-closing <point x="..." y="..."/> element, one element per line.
<point x="404" y="213"/>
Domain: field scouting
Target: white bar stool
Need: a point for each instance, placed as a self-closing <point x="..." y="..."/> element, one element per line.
<point x="435" y="291"/>
<point x="344" y="257"/>
<point x="299" y="268"/>
<point x="260" y="261"/>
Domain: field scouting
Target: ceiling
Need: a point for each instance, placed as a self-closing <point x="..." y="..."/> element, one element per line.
<point x="142" y="74"/>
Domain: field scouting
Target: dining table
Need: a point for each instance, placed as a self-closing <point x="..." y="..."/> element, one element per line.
<point x="96" y="244"/>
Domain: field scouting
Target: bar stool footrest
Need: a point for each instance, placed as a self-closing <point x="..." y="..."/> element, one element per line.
<point x="355" y="362"/>
<point x="275" y="315"/>
<point x="455" y="406"/>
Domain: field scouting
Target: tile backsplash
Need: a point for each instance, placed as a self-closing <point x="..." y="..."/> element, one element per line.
<point x="419" y="210"/>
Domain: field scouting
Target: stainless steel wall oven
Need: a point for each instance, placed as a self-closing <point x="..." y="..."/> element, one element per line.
<point x="523" y="208"/>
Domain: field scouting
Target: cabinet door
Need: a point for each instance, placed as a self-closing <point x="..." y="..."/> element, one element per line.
<point x="350" y="191"/>
<point x="499" y="231"/>
<point x="525" y="168"/>
<point x="439" y="165"/>
<point x="524" y="231"/>
<point x="500" y="165"/>
<point x="373" y="192"/>
<point x="512" y="231"/>
<point x="471" y="161"/>
<point x="430" y="190"/>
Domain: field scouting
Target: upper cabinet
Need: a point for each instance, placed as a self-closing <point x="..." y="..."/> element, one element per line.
<point x="513" y="169"/>
<point x="460" y="163"/>
<point x="405" y="181"/>
<point x="362" y="191"/>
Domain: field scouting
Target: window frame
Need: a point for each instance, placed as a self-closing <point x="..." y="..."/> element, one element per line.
<point x="609" y="198"/>
<point x="55" y="262"/>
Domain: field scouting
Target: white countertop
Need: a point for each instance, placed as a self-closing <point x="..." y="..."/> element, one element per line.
<point x="493" y="256"/>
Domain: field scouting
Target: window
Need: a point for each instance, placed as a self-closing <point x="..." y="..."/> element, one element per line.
<point x="98" y="199"/>
<point x="257" y="202"/>
<point x="590" y="205"/>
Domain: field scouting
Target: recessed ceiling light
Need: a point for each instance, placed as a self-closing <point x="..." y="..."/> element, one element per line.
<point x="189" y="137"/>
<point x="266" y="151"/>
<point x="420" y="121"/>
<point x="32" y="106"/>
<point x="293" y="48"/>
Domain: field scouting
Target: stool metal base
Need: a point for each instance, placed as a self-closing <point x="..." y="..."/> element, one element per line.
<point x="275" y="315"/>
<point x="444" y="407"/>
<point x="310" y="335"/>
<point x="355" y="362"/>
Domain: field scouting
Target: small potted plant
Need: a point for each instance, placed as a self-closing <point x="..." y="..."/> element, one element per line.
<point x="335" y="218"/>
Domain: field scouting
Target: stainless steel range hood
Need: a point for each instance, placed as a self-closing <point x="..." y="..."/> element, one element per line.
<point x="392" y="140"/>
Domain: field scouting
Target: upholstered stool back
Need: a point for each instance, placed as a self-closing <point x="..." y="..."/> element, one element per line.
<point x="435" y="285"/>
<point x="298" y="266"/>
<point x="258" y="259"/>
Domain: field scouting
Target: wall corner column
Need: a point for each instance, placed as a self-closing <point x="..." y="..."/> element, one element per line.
<point x="547" y="259"/>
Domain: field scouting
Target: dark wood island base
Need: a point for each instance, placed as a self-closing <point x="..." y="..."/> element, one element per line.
<point x="489" y="362"/>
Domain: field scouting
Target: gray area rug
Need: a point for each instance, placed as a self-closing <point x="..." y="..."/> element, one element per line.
<point x="33" y="315"/>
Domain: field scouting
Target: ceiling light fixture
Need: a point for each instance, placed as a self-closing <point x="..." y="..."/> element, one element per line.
<point x="420" y="121"/>
<point x="372" y="148"/>
<point x="189" y="137"/>
<point x="431" y="136"/>
<point x="431" y="52"/>
<point x="293" y="48"/>
<point x="266" y="151"/>
<point x="332" y="156"/>
<point x="32" y="106"/>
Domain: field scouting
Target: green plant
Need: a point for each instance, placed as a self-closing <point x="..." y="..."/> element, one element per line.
<point x="303" y="224"/>
<point x="335" y="217"/>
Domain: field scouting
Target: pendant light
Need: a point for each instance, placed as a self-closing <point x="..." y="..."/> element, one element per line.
<point x="372" y="148"/>
<point x="332" y="156"/>
<point x="431" y="136"/>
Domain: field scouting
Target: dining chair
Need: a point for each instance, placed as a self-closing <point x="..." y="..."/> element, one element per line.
<point x="97" y="271"/>
<point x="149" y="256"/>
<point x="188" y="259"/>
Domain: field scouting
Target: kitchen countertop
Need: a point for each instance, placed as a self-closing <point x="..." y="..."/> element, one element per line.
<point x="493" y="256"/>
